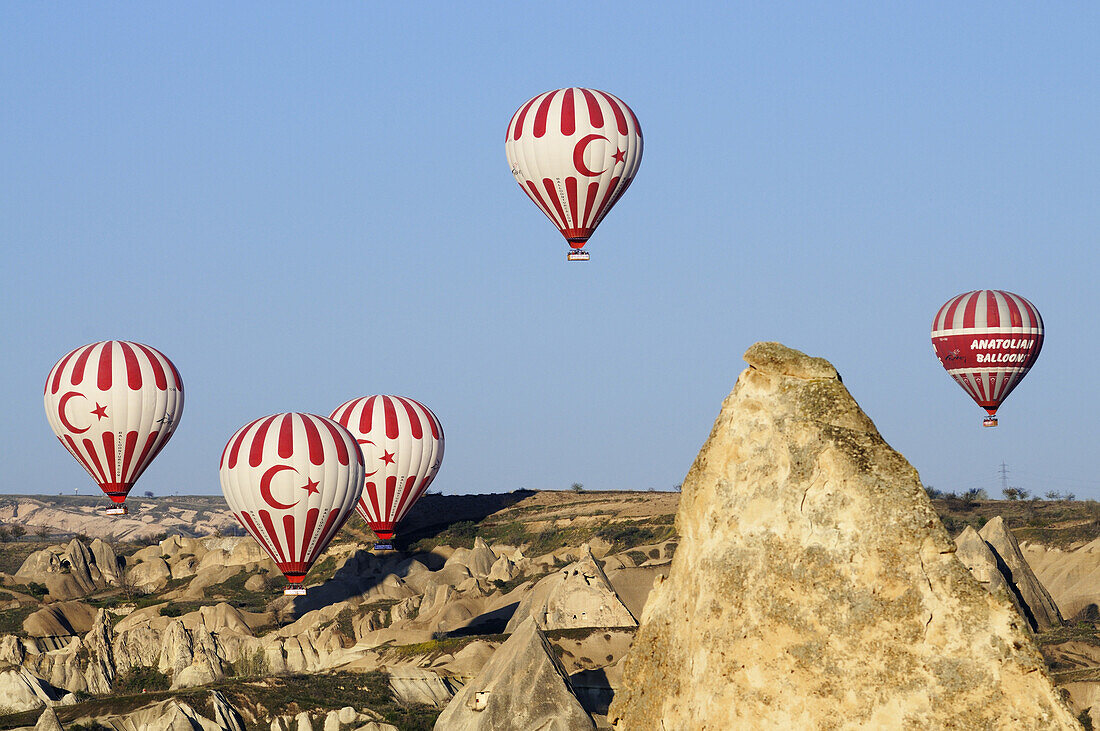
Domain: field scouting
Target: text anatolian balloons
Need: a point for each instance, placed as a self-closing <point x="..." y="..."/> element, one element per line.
<point x="574" y="153"/>
<point x="291" y="481"/>
<point x="114" y="405"/>
<point x="988" y="340"/>
<point x="402" y="442"/>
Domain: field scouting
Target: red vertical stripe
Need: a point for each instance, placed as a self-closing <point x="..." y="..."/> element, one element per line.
<point x="265" y="518"/>
<point x="133" y="368"/>
<point x="291" y="543"/>
<point x="286" y="437"/>
<point x="259" y="536"/>
<point x="595" y="114"/>
<point x="58" y="369"/>
<point x="311" y="524"/>
<point x="620" y="118"/>
<point x="366" y="416"/>
<point x="552" y="194"/>
<point x="517" y="131"/>
<point x="81" y="361"/>
<point x="234" y="453"/>
<point x="992" y="309"/>
<point x="542" y="113"/>
<point x="436" y="429"/>
<point x="952" y="308"/>
<point x="1015" y="319"/>
<point x="416" y="427"/>
<point x="256" y="450"/>
<point x="158" y="369"/>
<point x="392" y="431"/>
<point x="568" y="114"/>
<point x="344" y="417"/>
<point x="110" y="457"/>
<point x="571" y="195"/>
<point x="589" y="208"/>
<point x="128" y="455"/>
<point x="105" y="356"/>
<point x="971" y="309"/>
<point x="605" y="204"/>
<point x="371" y="490"/>
<point x="342" y="454"/>
<point x="89" y="450"/>
<point x="146" y="456"/>
<point x="534" y="194"/>
<point x="313" y="440"/>
<point x="406" y="499"/>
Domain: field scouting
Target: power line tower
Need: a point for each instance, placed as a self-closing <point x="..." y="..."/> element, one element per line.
<point x="1004" y="476"/>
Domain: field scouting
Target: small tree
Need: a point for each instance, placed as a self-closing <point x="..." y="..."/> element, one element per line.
<point x="148" y="493"/>
<point x="18" y="531"/>
<point x="1052" y="495"/>
<point x="1011" y="493"/>
<point x="577" y="487"/>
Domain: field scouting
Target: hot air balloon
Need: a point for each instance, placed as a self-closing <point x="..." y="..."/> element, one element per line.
<point x="292" y="481"/>
<point x="574" y="153"/>
<point x="988" y="340"/>
<point x="402" y="443"/>
<point x="114" y="405"/>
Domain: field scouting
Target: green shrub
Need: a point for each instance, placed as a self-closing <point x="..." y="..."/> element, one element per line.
<point x="141" y="679"/>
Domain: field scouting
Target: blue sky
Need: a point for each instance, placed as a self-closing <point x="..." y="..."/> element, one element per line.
<point x="304" y="203"/>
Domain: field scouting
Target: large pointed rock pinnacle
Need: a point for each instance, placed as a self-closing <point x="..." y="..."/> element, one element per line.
<point x="815" y="587"/>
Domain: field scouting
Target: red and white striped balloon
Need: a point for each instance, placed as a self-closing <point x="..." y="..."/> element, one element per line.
<point x="574" y="152"/>
<point x="402" y="443"/>
<point x="114" y="405"/>
<point x="292" y="481"/>
<point x="988" y="340"/>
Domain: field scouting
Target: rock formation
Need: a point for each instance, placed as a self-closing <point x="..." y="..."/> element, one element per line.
<point x="1039" y="608"/>
<point x="522" y="687"/>
<point x="814" y="586"/>
<point x="48" y="721"/>
<point x="984" y="566"/>
<point x="578" y="595"/>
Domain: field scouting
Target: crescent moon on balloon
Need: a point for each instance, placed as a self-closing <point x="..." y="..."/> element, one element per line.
<point x="265" y="487"/>
<point x="61" y="412"/>
<point x="367" y="441"/>
<point x="578" y="155"/>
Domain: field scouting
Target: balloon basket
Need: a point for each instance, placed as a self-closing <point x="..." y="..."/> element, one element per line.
<point x="383" y="546"/>
<point x="116" y="510"/>
<point x="294" y="591"/>
<point x="989" y="421"/>
<point x="577" y="255"/>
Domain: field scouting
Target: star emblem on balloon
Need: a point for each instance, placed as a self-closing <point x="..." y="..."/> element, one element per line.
<point x="311" y="486"/>
<point x="100" y="411"/>
<point x="619" y="156"/>
<point x="386" y="457"/>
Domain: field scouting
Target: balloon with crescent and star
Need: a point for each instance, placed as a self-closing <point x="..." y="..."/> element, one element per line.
<point x="987" y="340"/>
<point x="574" y="152"/>
<point x="402" y="443"/>
<point x="292" y="480"/>
<point x="114" y="405"/>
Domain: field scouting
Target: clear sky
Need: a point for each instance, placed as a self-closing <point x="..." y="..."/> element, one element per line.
<point x="301" y="203"/>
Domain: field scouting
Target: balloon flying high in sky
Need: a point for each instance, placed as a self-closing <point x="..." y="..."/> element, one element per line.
<point x="574" y="152"/>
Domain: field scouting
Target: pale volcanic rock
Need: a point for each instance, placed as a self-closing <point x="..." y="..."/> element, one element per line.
<point x="503" y="569"/>
<point x="21" y="690"/>
<point x="976" y="556"/>
<point x="578" y="595"/>
<point x="149" y="576"/>
<point x="1039" y="607"/>
<point x="48" y="721"/>
<point x="1071" y="577"/>
<point x="815" y="587"/>
<point x="60" y="619"/>
<point x="71" y="571"/>
<point x="414" y="684"/>
<point x="523" y="686"/>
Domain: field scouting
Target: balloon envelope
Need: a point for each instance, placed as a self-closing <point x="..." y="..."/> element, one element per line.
<point x="114" y="405"/>
<point x="402" y="443"/>
<point x="291" y="481"/>
<point x="987" y="340"/>
<point x="574" y="152"/>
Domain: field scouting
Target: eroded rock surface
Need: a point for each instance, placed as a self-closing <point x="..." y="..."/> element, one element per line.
<point x="814" y="586"/>
<point x="1034" y="600"/>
